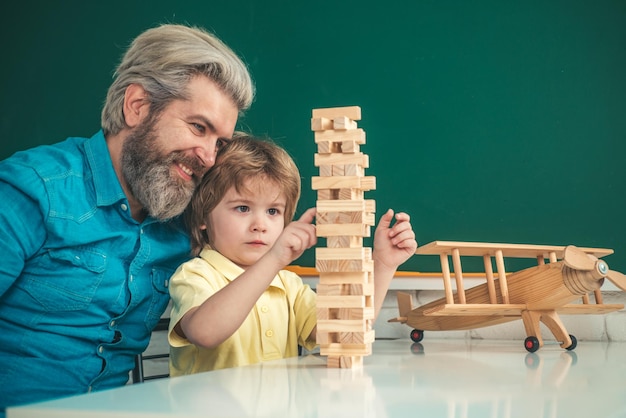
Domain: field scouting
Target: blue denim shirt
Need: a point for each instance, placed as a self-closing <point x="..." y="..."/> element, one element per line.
<point x="82" y="283"/>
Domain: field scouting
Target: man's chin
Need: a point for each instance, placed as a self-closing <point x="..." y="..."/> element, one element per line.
<point x="166" y="212"/>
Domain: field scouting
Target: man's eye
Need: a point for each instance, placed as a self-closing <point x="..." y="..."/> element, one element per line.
<point x="198" y="127"/>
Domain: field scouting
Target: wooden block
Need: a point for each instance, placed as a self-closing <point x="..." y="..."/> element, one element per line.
<point x="364" y="253"/>
<point x="344" y="362"/>
<point x="341" y="218"/>
<point x="346" y="147"/>
<point x="340" y="194"/>
<point x="346" y="170"/>
<point x="356" y="135"/>
<point x="344" y="182"/>
<point x="360" y="277"/>
<point x="326" y="170"/>
<point x="362" y="314"/>
<point x="349" y="338"/>
<point x="368" y="205"/>
<point x="353" y="170"/>
<point x="324" y="338"/>
<point x="343" y="123"/>
<point x="335" y="159"/>
<point x="327" y="194"/>
<point x="367" y="337"/>
<point x="335" y="230"/>
<point x="327" y="147"/>
<point x="352" y="112"/>
<point x="343" y="265"/>
<point x="323" y="313"/>
<point x="341" y="325"/>
<point x="349" y="147"/>
<point x="337" y="289"/>
<point x="349" y="194"/>
<point x="337" y="349"/>
<point x="343" y="301"/>
<point x="321" y="124"/>
<point x="344" y="241"/>
<point x="339" y="170"/>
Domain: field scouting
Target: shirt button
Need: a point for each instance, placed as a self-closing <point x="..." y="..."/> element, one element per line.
<point x="124" y="207"/>
<point x="112" y="323"/>
<point x="269" y="333"/>
<point x="264" y="309"/>
<point x="100" y="350"/>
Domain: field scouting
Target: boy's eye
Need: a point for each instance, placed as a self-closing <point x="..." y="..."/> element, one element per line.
<point x="242" y="208"/>
<point x="273" y="211"/>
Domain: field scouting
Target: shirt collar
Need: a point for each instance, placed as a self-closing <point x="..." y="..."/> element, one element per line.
<point x="229" y="269"/>
<point x="107" y="186"/>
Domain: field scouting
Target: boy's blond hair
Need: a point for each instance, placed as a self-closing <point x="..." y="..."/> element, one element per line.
<point x="244" y="157"/>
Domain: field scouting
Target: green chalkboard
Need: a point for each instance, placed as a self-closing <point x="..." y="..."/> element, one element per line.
<point x="497" y="121"/>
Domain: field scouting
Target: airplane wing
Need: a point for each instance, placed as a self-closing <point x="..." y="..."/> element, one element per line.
<point x="477" y="309"/>
<point x="508" y="250"/>
<point x="583" y="309"/>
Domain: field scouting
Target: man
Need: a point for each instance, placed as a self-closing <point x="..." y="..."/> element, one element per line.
<point x="90" y="229"/>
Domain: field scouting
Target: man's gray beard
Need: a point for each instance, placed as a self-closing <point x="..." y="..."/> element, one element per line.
<point x="161" y="195"/>
<point x="148" y="175"/>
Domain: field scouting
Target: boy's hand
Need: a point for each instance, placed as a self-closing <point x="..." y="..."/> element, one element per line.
<point x="297" y="237"/>
<point x="393" y="245"/>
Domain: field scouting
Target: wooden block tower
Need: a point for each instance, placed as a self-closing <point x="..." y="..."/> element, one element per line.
<point x="345" y="293"/>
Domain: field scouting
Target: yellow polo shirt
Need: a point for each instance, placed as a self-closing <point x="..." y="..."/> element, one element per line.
<point x="282" y="318"/>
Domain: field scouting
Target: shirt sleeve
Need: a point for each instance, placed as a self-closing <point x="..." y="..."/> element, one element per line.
<point x="22" y="227"/>
<point x="189" y="288"/>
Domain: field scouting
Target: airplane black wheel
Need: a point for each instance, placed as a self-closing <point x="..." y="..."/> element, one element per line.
<point x="574" y="343"/>
<point x="417" y="335"/>
<point x="531" y="344"/>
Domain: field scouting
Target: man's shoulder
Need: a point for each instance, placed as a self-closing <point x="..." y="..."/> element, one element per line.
<point x="65" y="155"/>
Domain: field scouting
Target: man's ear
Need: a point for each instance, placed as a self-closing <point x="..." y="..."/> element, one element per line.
<point x="136" y="105"/>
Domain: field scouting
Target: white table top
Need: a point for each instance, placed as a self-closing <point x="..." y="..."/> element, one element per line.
<point x="435" y="378"/>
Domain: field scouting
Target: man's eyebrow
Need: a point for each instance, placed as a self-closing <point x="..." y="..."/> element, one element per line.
<point x="205" y="121"/>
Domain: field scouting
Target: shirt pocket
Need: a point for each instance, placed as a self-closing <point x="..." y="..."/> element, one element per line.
<point x="66" y="279"/>
<point x="160" y="295"/>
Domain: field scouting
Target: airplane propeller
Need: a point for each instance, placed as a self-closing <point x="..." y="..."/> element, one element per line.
<point x="577" y="259"/>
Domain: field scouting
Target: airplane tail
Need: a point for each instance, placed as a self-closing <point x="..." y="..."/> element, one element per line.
<point x="405" y="306"/>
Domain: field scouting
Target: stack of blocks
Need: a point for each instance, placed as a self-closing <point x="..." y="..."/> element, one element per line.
<point x="345" y="293"/>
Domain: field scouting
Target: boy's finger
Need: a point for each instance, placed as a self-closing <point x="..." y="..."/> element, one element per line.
<point x="308" y="216"/>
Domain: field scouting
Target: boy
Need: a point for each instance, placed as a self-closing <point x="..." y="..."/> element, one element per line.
<point x="234" y="305"/>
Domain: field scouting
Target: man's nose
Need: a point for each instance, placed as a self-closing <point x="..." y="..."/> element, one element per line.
<point x="207" y="154"/>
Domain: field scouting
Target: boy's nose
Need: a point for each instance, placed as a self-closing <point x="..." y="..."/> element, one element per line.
<point x="258" y="225"/>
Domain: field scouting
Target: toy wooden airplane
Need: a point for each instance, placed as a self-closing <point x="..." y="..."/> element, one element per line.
<point x="534" y="294"/>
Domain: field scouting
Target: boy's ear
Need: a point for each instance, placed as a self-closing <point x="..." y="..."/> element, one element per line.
<point x="203" y="227"/>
